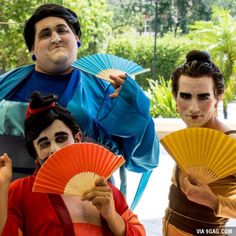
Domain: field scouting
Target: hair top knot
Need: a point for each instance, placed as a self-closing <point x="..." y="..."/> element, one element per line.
<point x="39" y="104"/>
<point x="196" y="55"/>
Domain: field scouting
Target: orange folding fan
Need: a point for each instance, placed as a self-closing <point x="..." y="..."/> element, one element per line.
<point x="204" y="153"/>
<point x="73" y="169"/>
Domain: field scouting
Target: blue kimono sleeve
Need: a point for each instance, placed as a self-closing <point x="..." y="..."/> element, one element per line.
<point x="128" y="117"/>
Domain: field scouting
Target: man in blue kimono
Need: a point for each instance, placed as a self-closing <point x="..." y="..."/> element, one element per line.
<point x="115" y="115"/>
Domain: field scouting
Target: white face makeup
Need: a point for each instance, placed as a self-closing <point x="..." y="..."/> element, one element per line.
<point x="53" y="138"/>
<point x="196" y="101"/>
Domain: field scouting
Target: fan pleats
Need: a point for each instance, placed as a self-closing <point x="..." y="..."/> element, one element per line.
<point x="74" y="168"/>
<point x="104" y="65"/>
<point x="202" y="152"/>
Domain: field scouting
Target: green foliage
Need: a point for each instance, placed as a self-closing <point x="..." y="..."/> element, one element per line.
<point x="230" y="93"/>
<point x="218" y="36"/>
<point x="12" y="16"/>
<point x="165" y="17"/>
<point x="129" y="13"/>
<point x="227" y="5"/>
<point x="171" y="16"/>
<point x="175" y="16"/>
<point x="140" y="50"/>
<point x="94" y="17"/>
<point x="161" y="99"/>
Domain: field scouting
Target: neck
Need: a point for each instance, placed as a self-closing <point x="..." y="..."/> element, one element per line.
<point x="215" y="123"/>
<point x="56" y="71"/>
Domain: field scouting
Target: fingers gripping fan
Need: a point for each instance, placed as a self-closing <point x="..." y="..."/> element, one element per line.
<point x="73" y="169"/>
<point x="104" y="65"/>
<point x="204" y="153"/>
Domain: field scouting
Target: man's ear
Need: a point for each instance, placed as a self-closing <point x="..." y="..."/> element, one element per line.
<point x="78" y="137"/>
<point x="33" y="55"/>
<point x="218" y="99"/>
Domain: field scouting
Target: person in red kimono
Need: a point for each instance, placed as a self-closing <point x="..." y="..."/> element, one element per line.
<point x="5" y="178"/>
<point x="100" y="211"/>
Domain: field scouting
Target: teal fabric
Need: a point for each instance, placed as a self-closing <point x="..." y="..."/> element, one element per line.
<point x="12" y="118"/>
<point x="10" y="80"/>
<point x="123" y="124"/>
<point x="141" y="187"/>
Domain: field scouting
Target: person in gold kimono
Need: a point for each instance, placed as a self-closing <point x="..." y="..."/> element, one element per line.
<point x="195" y="207"/>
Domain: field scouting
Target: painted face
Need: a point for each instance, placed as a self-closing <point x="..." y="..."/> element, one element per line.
<point x="196" y="101"/>
<point x="54" y="137"/>
<point x="55" y="46"/>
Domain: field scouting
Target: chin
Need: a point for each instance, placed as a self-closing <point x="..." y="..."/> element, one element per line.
<point x="195" y="124"/>
<point x="60" y="59"/>
<point x="62" y="63"/>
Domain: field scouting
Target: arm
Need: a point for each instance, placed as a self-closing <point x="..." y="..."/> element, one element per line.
<point x="5" y="178"/>
<point x="226" y="207"/>
<point x="11" y="79"/>
<point x="102" y="198"/>
<point x="120" y="221"/>
<point x="199" y="192"/>
<point x="128" y="117"/>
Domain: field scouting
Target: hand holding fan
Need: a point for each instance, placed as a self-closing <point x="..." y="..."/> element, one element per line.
<point x="104" y="65"/>
<point x="204" y="153"/>
<point x="73" y="169"/>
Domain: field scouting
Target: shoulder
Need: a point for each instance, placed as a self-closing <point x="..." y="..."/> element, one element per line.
<point x="231" y="133"/>
<point x="15" y="71"/>
<point x="11" y="79"/>
<point x="22" y="184"/>
<point x="225" y="127"/>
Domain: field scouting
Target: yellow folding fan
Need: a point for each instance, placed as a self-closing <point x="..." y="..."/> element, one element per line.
<point x="104" y="65"/>
<point x="73" y="169"/>
<point x="204" y="153"/>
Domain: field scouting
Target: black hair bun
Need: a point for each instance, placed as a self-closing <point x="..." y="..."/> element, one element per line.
<point x="39" y="101"/>
<point x="196" y="55"/>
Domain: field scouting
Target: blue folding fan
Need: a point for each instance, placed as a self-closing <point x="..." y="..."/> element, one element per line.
<point x="104" y="65"/>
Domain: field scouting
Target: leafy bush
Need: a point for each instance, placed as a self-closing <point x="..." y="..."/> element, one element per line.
<point x="161" y="98"/>
<point x="230" y="92"/>
<point x="141" y="50"/>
